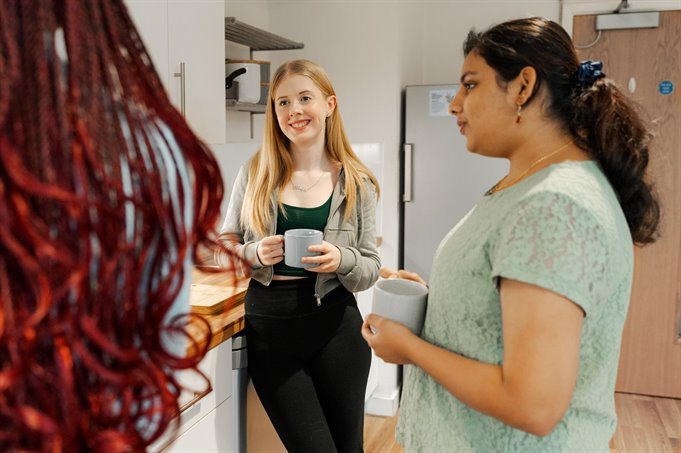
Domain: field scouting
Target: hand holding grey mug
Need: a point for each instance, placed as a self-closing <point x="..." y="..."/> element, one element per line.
<point x="401" y="300"/>
<point x="296" y="244"/>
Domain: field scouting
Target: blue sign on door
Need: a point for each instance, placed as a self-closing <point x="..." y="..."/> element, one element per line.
<point x="665" y="87"/>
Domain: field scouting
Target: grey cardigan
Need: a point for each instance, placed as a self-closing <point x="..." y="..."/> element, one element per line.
<point x="355" y="238"/>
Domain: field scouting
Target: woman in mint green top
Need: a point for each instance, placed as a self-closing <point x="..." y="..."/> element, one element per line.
<point x="529" y="292"/>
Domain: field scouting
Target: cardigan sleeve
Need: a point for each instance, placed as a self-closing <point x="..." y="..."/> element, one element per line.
<point x="360" y="265"/>
<point x="232" y="234"/>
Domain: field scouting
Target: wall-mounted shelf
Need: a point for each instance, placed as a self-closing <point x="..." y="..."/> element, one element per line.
<point x="231" y="104"/>
<point x="255" y="39"/>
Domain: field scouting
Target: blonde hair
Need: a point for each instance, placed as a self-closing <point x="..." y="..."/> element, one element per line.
<point x="271" y="167"/>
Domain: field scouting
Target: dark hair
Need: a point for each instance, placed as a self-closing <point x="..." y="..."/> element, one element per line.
<point x="602" y="120"/>
<point x="104" y="191"/>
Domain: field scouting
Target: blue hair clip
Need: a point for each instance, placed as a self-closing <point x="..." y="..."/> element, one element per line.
<point x="588" y="72"/>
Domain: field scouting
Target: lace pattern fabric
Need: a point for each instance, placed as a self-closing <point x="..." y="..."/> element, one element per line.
<point x="561" y="229"/>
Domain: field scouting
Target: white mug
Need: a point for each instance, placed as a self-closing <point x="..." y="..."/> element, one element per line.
<point x="401" y="300"/>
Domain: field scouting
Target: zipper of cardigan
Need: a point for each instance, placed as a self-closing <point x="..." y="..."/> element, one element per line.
<point x="326" y="227"/>
<point x="316" y="290"/>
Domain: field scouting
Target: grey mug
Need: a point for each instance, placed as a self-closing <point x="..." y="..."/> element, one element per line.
<point x="296" y="243"/>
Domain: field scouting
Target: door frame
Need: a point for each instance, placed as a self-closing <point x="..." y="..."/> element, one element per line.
<point x="579" y="8"/>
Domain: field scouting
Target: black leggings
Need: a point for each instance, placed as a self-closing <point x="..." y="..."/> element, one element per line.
<point x="309" y="364"/>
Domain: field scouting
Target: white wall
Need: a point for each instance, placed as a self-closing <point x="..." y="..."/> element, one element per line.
<point x="371" y="50"/>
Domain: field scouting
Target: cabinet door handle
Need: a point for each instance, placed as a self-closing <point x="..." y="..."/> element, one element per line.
<point x="182" y="77"/>
<point x="197" y="397"/>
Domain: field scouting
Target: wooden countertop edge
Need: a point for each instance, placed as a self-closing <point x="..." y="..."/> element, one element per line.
<point x="223" y="325"/>
<point x="229" y="322"/>
<point x="236" y="323"/>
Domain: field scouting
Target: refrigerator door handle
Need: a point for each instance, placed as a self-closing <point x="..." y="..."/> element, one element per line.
<point x="408" y="150"/>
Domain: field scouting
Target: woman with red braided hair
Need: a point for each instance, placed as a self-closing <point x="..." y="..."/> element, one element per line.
<point x="105" y="193"/>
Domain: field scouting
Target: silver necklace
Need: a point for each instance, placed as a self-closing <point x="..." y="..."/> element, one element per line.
<point x="305" y="189"/>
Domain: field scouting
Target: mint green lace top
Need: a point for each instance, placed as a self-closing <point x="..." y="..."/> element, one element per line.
<point x="561" y="228"/>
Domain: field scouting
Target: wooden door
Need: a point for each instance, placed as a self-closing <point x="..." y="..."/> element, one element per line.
<point x="639" y="60"/>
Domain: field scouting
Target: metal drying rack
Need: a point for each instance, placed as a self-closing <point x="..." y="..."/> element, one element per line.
<point x="255" y="38"/>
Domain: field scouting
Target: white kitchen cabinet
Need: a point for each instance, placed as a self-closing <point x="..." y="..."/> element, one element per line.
<point x="199" y="404"/>
<point x="188" y="34"/>
<point x="148" y="17"/>
<point x="197" y="39"/>
<point x="212" y="434"/>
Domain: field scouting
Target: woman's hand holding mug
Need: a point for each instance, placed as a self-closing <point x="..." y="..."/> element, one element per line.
<point x="270" y="250"/>
<point x="328" y="261"/>
<point x="390" y="340"/>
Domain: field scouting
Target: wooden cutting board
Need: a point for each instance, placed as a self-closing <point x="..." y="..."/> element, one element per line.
<point x="212" y="299"/>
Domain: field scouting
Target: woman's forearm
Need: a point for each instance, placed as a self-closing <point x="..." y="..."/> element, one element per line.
<point x="483" y="387"/>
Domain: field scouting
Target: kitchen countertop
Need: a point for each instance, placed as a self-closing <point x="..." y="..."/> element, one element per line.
<point x="226" y="321"/>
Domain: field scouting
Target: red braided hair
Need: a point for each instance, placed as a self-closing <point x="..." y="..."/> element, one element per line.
<point x="105" y="193"/>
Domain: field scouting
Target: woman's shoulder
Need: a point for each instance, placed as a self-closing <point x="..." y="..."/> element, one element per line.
<point x="242" y="174"/>
<point x="576" y="170"/>
<point x="367" y="180"/>
<point x="581" y="181"/>
<point x="363" y="178"/>
<point x="576" y="191"/>
<point x="246" y="168"/>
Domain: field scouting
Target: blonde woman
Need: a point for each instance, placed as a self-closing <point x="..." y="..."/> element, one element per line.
<point x="307" y="359"/>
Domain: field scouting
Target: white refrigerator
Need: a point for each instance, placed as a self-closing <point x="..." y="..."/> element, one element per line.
<point x="441" y="180"/>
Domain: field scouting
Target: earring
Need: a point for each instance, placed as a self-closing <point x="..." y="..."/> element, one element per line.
<point x="519" y="114"/>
